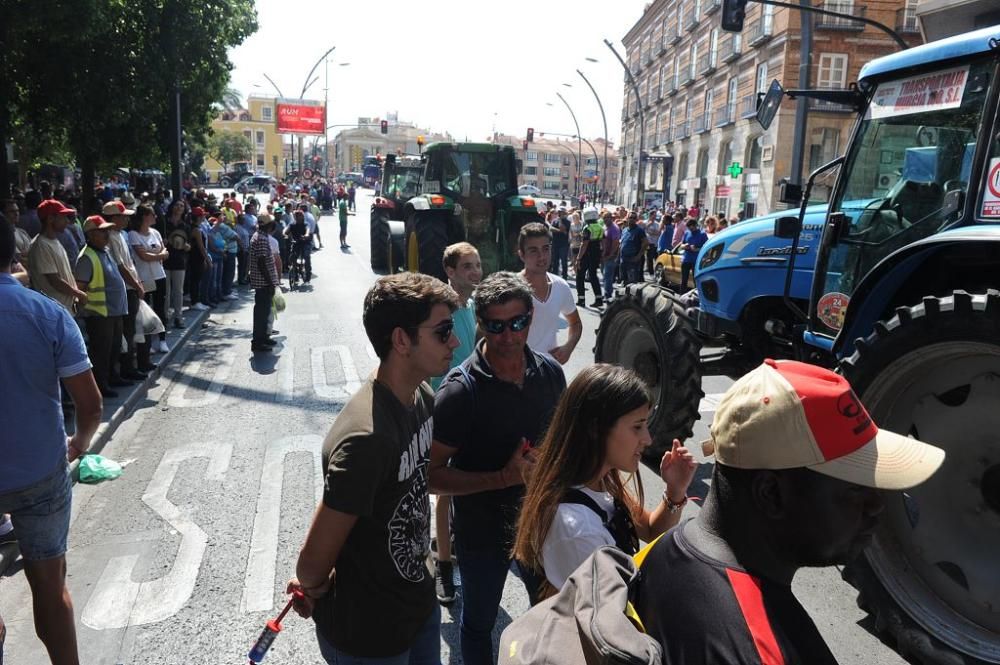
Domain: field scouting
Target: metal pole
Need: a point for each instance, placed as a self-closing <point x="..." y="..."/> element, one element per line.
<point x="604" y="174"/>
<point x="593" y="150"/>
<point x="802" y="104"/>
<point x="309" y="75"/>
<point x="809" y="9"/>
<point x="579" y="144"/>
<point x="642" y="122"/>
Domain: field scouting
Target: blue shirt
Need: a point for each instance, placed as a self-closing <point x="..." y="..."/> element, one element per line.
<point x="663" y="244"/>
<point x="696" y="238"/>
<point x="39" y="344"/>
<point x="631" y="241"/>
<point x="465" y="331"/>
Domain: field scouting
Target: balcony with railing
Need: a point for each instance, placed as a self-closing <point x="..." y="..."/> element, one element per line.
<point x="830" y="107"/>
<point x="702" y="123"/>
<point x="686" y="73"/>
<point x="673" y="33"/>
<point x="707" y="63"/>
<point x="671" y="85"/>
<point x="731" y="48"/>
<point x="906" y="20"/>
<point x="691" y="19"/>
<point x="824" y="22"/>
<point x="748" y="106"/>
<point x="725" y="115"/>
<point x="684" y="130"/>
<point x="666" y="135"/>
<point x="709" y="6"/>
<point x="760" y="30"/>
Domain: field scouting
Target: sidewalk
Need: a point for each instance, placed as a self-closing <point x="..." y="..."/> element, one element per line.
<point x="117" y="410"/>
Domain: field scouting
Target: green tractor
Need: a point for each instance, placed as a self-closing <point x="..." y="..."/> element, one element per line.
<point x="399" y="182"/>
<point x="468" y="192"/>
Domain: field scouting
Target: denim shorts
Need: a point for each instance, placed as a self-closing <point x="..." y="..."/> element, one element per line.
<point x="40" y="514"/>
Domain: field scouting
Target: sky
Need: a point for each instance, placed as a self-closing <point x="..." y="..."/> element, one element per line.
<point x="446" y="65"/>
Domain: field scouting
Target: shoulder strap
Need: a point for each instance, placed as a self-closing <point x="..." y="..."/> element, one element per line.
<point x="577" y="497"/>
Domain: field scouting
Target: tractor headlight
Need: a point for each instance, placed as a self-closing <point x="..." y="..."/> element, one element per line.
<point x="711" y="256"/>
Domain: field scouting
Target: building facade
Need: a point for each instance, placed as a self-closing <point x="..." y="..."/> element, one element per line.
<point x="351" y="145"/>
<point x="561" y="165"/>
<point x="699" y="85"/>
<point x="257" y="123"/>
<point x="944" y="18"/>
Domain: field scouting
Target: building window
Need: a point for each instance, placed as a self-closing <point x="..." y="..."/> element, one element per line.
<point x="713" y="46"/>
<point x="682" y="168"/>
<point x="709" y="102"/>
<point x="530" y="170"/>
<point x="551" y="172"/>
<point x="549" y="157"/>
<point x="693" y="66"/>
<point x="260" y="161"/>
<point x="265" y="113"/>
<point x="754" y="149"/>
<point x="761" y="78"/>
<point x="703" y="163"/>
<point x="551" y="184"/>
<point x="531" y="156"/>
<point x="832" y="70"/>
<point x="720" y="207"/>
<point x="248" y="134"/>
<point x="260" y="137"/>
<point x="725" y="157"/>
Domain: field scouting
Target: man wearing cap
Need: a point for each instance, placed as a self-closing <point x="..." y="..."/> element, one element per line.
<point x="135" y="361"/>
<point x="799" y="481"/>
<point x="51" y="272"/>
<point x="97" y="274"/>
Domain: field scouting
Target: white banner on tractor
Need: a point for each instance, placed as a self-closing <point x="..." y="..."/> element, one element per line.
<point x="918" y="94"/>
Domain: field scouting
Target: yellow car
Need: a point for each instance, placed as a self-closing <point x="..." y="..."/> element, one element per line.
<point x="667" y="269"/>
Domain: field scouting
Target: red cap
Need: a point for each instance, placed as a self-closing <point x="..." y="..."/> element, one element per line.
<point x="198" y="211"/>
<point x="53" y="207"/>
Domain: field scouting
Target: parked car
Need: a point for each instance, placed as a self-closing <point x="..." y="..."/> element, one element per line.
<point x="529" y="190"/>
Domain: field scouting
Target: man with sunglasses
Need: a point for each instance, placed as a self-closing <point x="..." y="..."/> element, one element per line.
<point x="363" y="565"/>
<point x="488" y="413"/>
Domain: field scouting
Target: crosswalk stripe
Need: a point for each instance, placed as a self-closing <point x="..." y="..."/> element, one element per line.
<point x="710" y="402"/>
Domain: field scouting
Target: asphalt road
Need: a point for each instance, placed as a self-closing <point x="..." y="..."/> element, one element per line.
<point x="184" y="558"/>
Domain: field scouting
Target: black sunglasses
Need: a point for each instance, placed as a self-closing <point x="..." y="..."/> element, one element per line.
<point x="516" y="324"/>
<point x="442" y="330"/>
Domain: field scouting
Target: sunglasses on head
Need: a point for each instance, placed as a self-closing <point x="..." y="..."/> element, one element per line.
<point x="497" y="326"/>
<point x="442" y="330"/>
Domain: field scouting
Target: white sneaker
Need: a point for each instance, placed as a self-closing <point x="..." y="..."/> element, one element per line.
<point x="201" y="307"/>
<point x="163" y="348"/>
<point x="232" y="296"/>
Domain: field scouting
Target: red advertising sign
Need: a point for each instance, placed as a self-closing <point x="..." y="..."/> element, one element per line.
<point x="300" y="117"/>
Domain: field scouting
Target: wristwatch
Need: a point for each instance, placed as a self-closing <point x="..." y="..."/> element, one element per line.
<point x="671" y="506"/>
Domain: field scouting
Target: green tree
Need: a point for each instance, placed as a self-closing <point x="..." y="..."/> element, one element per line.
<point x="228" y="147"/>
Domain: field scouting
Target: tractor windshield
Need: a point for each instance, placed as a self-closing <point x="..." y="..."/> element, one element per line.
<point x="402" y="183"/>
<point x="913" y="147"/>
<point x="486" y="174"/>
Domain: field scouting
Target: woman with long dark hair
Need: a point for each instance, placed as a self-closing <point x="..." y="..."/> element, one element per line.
<point x="578" y="498"/>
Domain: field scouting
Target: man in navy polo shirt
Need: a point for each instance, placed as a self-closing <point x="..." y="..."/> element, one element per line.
<point x="41" y="344"/>
<point x="487" y="413"/>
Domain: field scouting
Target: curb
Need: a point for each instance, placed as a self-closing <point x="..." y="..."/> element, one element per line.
<point x="9" y="553"/>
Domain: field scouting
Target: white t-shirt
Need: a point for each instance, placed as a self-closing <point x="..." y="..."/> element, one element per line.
<point x="575" y="534"/>
<point x="148" y="271"/>
<point x="545" y="319"/>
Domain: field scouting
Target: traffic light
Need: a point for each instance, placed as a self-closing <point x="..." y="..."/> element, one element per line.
<point x="733" y="12"/>
<point x="525" y="145"/>
<point x="531" y="134"/>
<point x="385" y="125"/>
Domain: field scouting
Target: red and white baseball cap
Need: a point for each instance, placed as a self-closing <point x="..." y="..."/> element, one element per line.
<point x="786" y="414"/>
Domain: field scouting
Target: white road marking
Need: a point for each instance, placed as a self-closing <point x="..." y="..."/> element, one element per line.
<point x="178" y="397"/>
<point x="286" y="369"/>
<point x="258" y="587"/>
<point x="343" y="389"/>
<point x="710" y="402"/>
<point x="117" y="601"/>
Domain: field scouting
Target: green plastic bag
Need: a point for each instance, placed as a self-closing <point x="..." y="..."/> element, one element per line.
<point x="96" y="469"/>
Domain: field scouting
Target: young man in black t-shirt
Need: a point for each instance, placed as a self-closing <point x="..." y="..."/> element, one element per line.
<point x="363" y="565"/>
<point x="799" y="469"/>
<point x="488" y="412"/>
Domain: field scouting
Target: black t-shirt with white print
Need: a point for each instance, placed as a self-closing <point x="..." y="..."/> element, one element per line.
<point x="704" y="609"/>
<point x="376" y="457"/>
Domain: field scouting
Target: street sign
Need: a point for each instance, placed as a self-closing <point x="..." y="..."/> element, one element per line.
<point x="307" y="174"/>
<point x="735" y="170"/>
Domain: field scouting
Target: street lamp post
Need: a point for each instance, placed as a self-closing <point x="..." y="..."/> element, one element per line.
<point x="579" y="144"/>
<point x="570" y="151"/>
<point x="604" y="119"/>
<point x="642" y="121"/>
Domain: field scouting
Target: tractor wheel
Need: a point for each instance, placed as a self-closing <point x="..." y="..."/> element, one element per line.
<point x="379" y="241"/>
<point x="224" y="182"/>
<point x="646" y="330"/>
<point x="426" y="239"/>
<point x="930" y="578"/>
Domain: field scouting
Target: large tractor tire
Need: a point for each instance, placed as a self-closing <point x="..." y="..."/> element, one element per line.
<point x="224" y="182"/>
<point x="646" y="330"/>
<point x="379" y="241"/>
<point x="426" y="240"/>
<point x="931" y="579"/>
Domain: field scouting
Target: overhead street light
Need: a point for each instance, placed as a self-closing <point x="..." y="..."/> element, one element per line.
<point x="604" y="119"/>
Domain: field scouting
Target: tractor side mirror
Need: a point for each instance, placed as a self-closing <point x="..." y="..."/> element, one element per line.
<point x="787" y="227"/>
<point x="768" y="107"/>
<point x="953" y="202"/>
<point x="518" y="166"/>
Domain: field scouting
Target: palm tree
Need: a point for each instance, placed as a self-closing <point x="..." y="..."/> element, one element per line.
<point x="232" y="100"/>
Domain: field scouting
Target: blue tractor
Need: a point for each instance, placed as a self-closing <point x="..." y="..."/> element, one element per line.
<point x="901" y="296"/>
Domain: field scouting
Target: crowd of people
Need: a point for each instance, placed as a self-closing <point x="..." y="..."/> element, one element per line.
<point x="606" y="246"/>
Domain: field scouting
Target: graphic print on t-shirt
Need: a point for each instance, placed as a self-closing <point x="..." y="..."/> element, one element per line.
<point x="409" y="528"/>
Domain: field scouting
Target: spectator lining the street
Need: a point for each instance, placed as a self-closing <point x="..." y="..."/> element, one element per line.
<point x="801" y="476"/>
<point x="178" y="248"/>
<point x="97" y="274"/>
<point x="487" y="413"/>
<point x="199" y="261"/>
<point x="52" y="273"/>
<point x="264" y="278"/>
<point x="135" y="362"/>
<point x="149" y="254"/>
<point x="577" y="498"/>
<point x="694" y="239"/>
<point x="633" y="250"/>
<point x="610" y="246"/>
<point x="559" y="231"/>
<point x="41" y="345"/>
<point x="364" y="556"/>
<point x="552" y="298"/>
